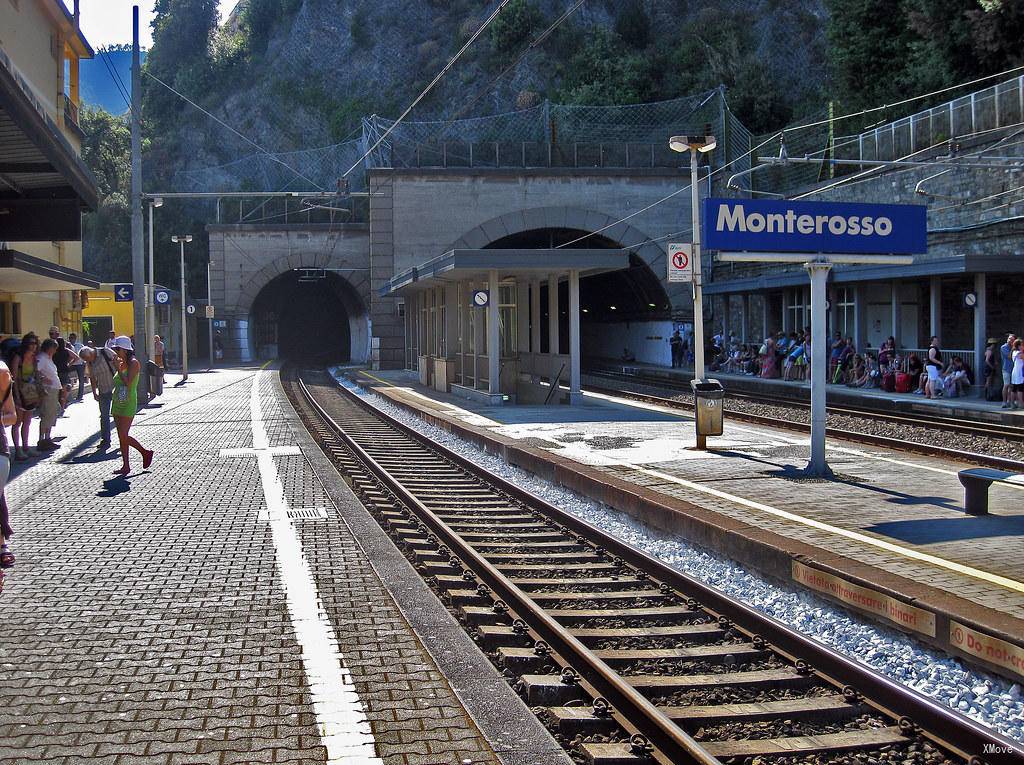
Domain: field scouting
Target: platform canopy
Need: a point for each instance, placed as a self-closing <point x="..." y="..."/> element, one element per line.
<point x="44" y="184"/>
<point x="475" y="265"/>
<point x="24" y="273"/>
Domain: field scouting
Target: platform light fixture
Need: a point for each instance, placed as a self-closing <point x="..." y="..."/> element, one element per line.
<point x="684" y="143"/>
<point x="182" y="240"/>
<point x="154" y="202"/>
<point x="696" y="144"/>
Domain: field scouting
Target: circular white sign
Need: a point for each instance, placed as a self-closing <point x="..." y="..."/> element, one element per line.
<point x="163" y="296"/>
<point x="481" y="298"/>
<point x="191" y="309"/>
<point x="970" y="300"/>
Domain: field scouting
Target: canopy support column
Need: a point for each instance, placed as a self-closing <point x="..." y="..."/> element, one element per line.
<point x="493" y="338"/>
<point x="575" y="391"/>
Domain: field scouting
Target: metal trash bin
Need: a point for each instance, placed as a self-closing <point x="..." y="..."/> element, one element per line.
<point x="156" y="378"/>
<point x="708" y="406"/>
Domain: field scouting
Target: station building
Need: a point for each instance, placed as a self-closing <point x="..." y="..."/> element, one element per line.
<point x="103" y="314"/>
<point x="44" y="185"/>
<point x="967" y="287"/>
<point x="524" y="222"/>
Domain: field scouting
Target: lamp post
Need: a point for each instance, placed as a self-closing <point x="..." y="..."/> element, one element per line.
<point x="209" y="303"/>
<point x="150" y="307"/>
<point x="696" y="144"/>
<point x="181" y="240"/>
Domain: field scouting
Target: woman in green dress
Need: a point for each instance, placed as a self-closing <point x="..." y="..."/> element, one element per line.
<point x="126" y="402"/>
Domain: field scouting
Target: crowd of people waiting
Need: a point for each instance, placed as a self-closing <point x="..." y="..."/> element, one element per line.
<point x="36" y="381"/>
<point x="787" y="357"/>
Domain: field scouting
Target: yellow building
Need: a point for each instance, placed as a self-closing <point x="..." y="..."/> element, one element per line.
<point x="103" y="314"/>
<point x="44" y="185"/>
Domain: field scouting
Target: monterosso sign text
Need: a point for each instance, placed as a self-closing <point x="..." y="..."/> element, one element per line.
<point x="825" y="227"/>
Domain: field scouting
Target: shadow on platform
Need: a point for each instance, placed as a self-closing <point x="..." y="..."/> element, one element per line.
<point x="930" y="531"/>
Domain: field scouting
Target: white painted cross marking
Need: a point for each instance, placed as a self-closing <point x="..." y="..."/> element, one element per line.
<point x="340" y="715"/>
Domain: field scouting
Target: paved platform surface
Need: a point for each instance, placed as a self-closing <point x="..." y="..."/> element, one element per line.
<point x="184" y="616"/>
<point x="971" y="407"/>
<point x="892" y="520"/>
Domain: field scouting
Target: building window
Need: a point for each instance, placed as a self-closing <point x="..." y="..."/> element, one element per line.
<point x="507" y="320"/>
<point x="845" y="313"/>
<point x="10" y="318"/>
<point x="798" y="310"/>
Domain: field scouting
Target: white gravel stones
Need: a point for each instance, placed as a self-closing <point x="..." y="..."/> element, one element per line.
<point x="983" y="697"/>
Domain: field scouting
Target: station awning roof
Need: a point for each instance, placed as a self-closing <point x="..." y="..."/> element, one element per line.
<point x="44" y="184"/>
<point x="24" y="273"/>
<point x="924" y="267"/>
<point x="465" y="265"/>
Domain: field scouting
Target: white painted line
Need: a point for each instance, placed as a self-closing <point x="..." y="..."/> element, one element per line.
<point x="340" y="715"/>
<point x="906" y="552"/>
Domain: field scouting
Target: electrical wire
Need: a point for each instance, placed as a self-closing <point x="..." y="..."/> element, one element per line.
<point x="781" y="134"/>
<point x="118" y="83"/>
<point x="536" y="43"/>
<point x="433" y="82"/>
<point x="272" y="157"/>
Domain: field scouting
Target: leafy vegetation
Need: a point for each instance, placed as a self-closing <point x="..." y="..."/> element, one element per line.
<point x="516" y="26"/>
<point x="883" y="50"/>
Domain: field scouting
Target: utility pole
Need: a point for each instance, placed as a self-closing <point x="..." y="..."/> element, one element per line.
<point x="138" y="253"/>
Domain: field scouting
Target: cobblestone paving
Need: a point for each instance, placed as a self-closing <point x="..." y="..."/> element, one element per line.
<point x="145" y="624"/>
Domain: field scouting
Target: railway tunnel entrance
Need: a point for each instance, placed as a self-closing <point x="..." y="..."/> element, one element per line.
<point x="621" y="313"/>
<point x="309" y="316"/>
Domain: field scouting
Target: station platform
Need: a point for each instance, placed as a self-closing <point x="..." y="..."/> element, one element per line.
<point x="232" y="604"/>
<point x="970" y="407"/>
<point x="888" y="538"/>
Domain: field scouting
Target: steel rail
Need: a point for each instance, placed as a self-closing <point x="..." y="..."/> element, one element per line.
<point x="897" y="444"/>
<point x="965" y="737"/>
<point x="918" y="419"/>
<point x="669" y="739"/>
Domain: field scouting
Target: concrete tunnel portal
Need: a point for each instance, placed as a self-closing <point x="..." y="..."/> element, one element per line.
<point x="309" y="316"/>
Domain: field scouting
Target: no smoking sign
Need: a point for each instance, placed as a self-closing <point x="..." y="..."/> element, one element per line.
<point x="680" y="263"/>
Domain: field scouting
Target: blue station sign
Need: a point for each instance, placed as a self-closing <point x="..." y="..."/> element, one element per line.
<point x="778" y="225"/>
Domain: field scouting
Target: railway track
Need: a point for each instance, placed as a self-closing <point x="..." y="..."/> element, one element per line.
<point x="625" y="659"/>
<point x="939" y="424"/>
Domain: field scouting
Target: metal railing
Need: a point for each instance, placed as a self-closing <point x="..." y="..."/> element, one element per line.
<point x="527" y="154"/>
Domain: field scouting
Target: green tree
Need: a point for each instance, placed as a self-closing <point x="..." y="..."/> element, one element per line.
<point x="515" y="26"/>
<point x="602" y="72"/>
<point x="181" y="56"/>
<point x="106" y="150"/>
<point x="633" y="24"/>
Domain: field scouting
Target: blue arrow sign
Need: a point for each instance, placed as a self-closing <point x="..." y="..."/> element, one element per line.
<point x="162" y="297"/>
<point x="123" y="293"/>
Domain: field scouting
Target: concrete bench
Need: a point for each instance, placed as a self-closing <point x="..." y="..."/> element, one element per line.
<point x="976" y="482"/>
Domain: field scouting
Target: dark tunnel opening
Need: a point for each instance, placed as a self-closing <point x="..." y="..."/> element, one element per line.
<point x="302" y="318"/>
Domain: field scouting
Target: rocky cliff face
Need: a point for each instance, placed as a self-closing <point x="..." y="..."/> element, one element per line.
<point x="311" y="73"/>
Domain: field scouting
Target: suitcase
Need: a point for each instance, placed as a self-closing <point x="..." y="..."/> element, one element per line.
<point x="904" y="382"/>
<point x="889" y="382"/>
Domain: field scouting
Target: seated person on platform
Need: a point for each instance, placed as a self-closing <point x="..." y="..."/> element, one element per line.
<point x="865" y="373"/>
<point x="627" y="356"/>
<point x="887" y="353"/>
<point x="957" y="378"/>
<point x="794" y="360"/>
<point x="853" y="370"/>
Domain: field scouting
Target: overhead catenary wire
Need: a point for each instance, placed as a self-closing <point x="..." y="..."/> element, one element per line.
<point x="116" y="78"/>
<point x="790" y="130"/>
<point x="430" y="86"/>
<point x="244" y="137"/>
<point x="534" y="44"/>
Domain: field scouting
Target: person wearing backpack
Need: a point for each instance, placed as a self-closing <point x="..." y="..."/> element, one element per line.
<point x="27" y="392"/>
<point x="102" y="368"/>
